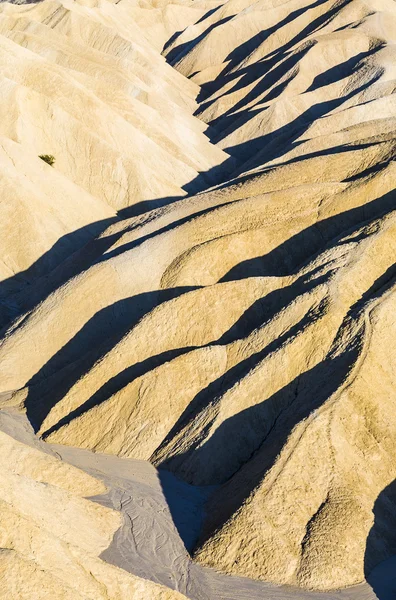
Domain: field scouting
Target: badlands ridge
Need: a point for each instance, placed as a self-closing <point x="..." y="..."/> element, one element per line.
<point x="197" y="301"/>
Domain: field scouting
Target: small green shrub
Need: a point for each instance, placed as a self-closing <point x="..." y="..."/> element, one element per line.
<point x="48" y="158"/>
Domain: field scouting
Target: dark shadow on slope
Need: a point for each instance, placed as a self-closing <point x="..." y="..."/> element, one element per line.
<point x="269" y="61"/>
<point x="210" y="12"/>
<point x="296" y="402"/>
<point x="158" y="232"/>
<point x="272" y="145"/>
<point x="186" y="505"/>
<point x="356" y="24"/>
<point x="66" y="246"/>
<point x="170" y="41"/>
<point x="116" y="383"/>
<point x="174" y="37"/>
<point x="288" y="257"/>
<point x="204" y="180"/>
<point x="380" y="555"/>
<point x="260" y="312"/>
<point x="282" y="68"/>
<point x="178" y="52"/>
<point x="69" y="256"/>
<point x="145" y="206"/>
<point x="77" y="251"/>
<point x="113" y="322"/>
<point x="263" y="308"/>
<point x="233" y="122"/>
<point x="270" y="424"/>
<point x="18" y="3"/>
<point x="255" y="317"/>
<point x="213" y="176"/>
<point x="341" y="149"/>
<point x="248" y="435"/>
<point x="276" y="417"/>
<point x="382" y="283"/>
<point x="178" y="223"/>
<point x="67" y="259"/>
<point x="242" y="52"/>
<point x="267" y="76"/>
<point x="369" y="171"/>
<point x="341" y="71"/>
<point x="97" y="337"/>
<point x="241" y="176"/>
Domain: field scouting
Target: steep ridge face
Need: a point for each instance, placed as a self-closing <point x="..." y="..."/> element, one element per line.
<point x="241" y="337"/>
<point x="45" y="218"/>
<point x="52" y="535"/>
<point x="85" y="83"/>
<point x="274" y="75"/>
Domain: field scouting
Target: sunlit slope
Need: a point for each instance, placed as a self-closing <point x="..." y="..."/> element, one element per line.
<point x="276" y="74"/>
<point x="52" y="535"/>
<point x="212" y="330"/>
<point x="324" y="452"/>
<point x="241" y="337"/>
<point x="45" y="217"/>
<point x="82" y="82"/>
<point x="85" y="82"/>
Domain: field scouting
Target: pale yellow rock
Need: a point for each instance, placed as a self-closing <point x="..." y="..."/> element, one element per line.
<point x="39" y="208"/>
<point x="51" y="536"/>
<point x="330" y="489"/>
<point x="89" y="88"/>
<point x="241" y="337"/>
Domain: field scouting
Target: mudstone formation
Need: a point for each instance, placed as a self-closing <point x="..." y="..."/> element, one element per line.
<point x="204" y="280"/>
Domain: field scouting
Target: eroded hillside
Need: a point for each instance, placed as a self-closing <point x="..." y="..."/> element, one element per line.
<point x="205" y="279"/>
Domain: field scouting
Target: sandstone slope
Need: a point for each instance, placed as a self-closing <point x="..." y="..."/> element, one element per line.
<point x="52" y="534"/>
<point x="241" y="337"/>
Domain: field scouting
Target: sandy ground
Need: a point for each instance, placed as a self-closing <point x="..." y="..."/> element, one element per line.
<point x="149" y="544"/>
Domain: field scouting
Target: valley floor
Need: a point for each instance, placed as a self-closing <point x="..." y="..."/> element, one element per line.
<point x="149" y="544"/>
